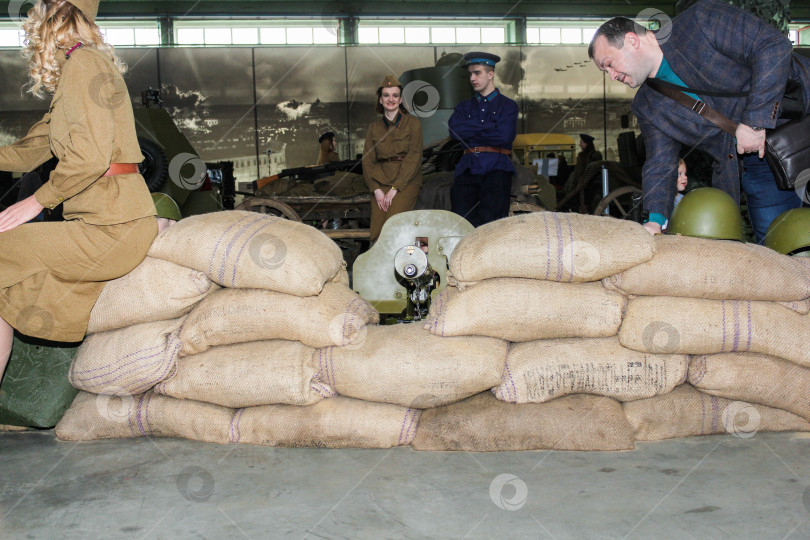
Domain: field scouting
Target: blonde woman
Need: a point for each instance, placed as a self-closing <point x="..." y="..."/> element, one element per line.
<point x="52" y="273"/>
<point x="392" y="157"/>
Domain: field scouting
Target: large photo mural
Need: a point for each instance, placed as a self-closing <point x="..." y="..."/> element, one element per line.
<point x="264" y="108"/>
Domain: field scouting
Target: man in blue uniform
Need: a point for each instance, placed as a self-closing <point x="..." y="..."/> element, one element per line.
<point x="710" y="48"/>
<point x="486" y="125"/>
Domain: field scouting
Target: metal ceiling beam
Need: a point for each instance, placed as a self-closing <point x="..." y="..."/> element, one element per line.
<point x="411" y="8"/>
<point x="600" y="9"/>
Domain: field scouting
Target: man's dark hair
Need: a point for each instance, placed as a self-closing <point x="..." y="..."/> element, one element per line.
<point x="614" y="31"/>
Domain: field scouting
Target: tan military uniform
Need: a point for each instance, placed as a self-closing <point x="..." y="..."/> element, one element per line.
<point x="52" y="273"/>
<point x="328" y="158"/>
<point x="385" y="141"/>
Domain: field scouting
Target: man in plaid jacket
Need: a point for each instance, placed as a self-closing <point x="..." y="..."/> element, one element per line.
<point x="710" y="47"/>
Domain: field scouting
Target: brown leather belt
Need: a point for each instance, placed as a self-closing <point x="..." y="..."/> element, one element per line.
<point x="121" y="168"/>
<point x="493" y="149"/>
<point x="398" y="158"/>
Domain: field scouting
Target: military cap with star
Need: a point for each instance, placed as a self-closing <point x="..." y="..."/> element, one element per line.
<point x="389" y="81"/>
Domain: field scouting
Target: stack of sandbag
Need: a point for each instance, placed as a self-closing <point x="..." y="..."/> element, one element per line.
<point x="133" y="332"/>
<point x="741" y="311"/>
<point x="237" y="365"/>
<point x="559" y="331"/>
<point x="533" y="280"/>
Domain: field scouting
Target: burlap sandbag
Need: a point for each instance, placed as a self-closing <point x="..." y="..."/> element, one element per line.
<point x="716" y="269"/>
<point x="155" y="290"/>
<point x="663" y="324"/>
<point x="342" y="277"/>
<point x="484" y="424"/>
<point x="249" y="250"/>
<point x="552" y="246"/>
<point x="685" y="412"/>
<point x="130" y="360"/>
<point x="248" y="374"/>
<point x="338" y="422"/>
<point x="801" y="307"/>
<point x="755" y="378"/>
<point x="406" y="365"/>
<point x="107" y="417"/>
<point x="527" y="309"/>
<point x="546" y="369"/>
<point x="337" y="316"/>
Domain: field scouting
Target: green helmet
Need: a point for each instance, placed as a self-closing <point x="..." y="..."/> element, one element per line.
<point x="789" y="233"/>
<point x="166" y="207"/>
<point x="707" y="213"/>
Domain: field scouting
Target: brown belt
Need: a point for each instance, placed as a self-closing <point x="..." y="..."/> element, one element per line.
<point x="398" y="158"/>
<point x="121" y="168"/>
<point x="479" y="149"/>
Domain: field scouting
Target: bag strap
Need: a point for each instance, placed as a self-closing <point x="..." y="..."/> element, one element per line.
<point x="697" y="106"/>
<point x="709" y="93"/>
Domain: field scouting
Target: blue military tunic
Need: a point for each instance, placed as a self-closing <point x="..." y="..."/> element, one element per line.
<point x="485" y="121"/>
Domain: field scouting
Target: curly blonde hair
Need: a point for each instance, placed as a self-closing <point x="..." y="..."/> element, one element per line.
<point x="51" y="26"/>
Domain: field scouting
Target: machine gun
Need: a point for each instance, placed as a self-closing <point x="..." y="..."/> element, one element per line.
<point x="311" y="172"/>
<point x="411" y="263"/>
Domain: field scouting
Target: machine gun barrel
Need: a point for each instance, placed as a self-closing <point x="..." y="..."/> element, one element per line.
<point x="311" y="172"/>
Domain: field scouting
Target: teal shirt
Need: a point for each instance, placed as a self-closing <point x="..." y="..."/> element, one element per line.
<point x="665" y="73"/>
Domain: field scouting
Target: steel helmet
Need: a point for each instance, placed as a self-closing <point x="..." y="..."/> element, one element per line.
<point x="166" y="207"/>
<point x="707" y="213"/>
<point x="789" y="233"/>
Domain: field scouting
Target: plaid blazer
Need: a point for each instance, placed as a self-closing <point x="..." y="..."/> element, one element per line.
<point x="713" y="46"/>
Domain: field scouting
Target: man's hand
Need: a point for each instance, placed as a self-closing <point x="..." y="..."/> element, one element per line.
<point x="749" y="140"/>
<point x="17" y="214"/>
<point x="380" y="196"/>
<point x="652" y="227"/>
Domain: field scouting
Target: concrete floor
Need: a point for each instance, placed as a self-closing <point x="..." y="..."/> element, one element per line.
<point x="702" y="487"/>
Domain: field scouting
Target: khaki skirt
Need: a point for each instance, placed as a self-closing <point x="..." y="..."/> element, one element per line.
<point x="52" y="273"/>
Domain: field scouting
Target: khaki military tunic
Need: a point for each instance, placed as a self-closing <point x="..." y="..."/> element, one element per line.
<point x="385" y="140"/>
<point x="52" y="273"/>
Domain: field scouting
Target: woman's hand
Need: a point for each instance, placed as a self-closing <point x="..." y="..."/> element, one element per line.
<point x="17" y="214"/>
<point x="380" y="196"/>
<point x="389" y="197"/>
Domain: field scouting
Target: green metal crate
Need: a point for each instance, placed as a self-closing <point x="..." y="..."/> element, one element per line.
<point x="35" y="391"/>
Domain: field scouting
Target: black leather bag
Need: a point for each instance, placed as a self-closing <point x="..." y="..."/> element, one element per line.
<point x="787" y="147"/>
<point x="787" y="151"/>
<point x="793" y="101"/>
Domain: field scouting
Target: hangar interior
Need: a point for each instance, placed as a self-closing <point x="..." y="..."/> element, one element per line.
<point x="255" y="84"/>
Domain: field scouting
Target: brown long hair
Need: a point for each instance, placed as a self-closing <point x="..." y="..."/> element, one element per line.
<point x="53" y="25"/>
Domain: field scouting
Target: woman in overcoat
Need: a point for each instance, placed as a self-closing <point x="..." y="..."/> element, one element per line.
<point x="52" y="273"/>
<point x="392" y="157"/>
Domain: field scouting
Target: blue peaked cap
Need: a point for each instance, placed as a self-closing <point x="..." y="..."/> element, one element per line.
<point x="482" y="58"/>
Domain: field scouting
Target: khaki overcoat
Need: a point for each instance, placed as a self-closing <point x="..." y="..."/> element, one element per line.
<point x="52" y="273"/>
<point x="386" y="140"/>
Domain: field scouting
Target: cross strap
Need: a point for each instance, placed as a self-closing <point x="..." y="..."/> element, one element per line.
<point x="697" y="106"/>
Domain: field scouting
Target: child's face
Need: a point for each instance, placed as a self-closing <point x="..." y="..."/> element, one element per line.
<point x="682" y="178"/>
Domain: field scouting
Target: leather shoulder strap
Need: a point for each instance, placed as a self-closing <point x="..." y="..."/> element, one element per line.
<point x="699" y="107"/>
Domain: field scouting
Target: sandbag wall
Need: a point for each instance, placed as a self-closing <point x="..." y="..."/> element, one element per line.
<point x="558" y="331"/>
<point x="213" y="338"/>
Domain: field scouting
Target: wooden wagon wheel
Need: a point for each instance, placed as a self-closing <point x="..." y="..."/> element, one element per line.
<point x="621" y="199"/>
<point x="265" y="205"/>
